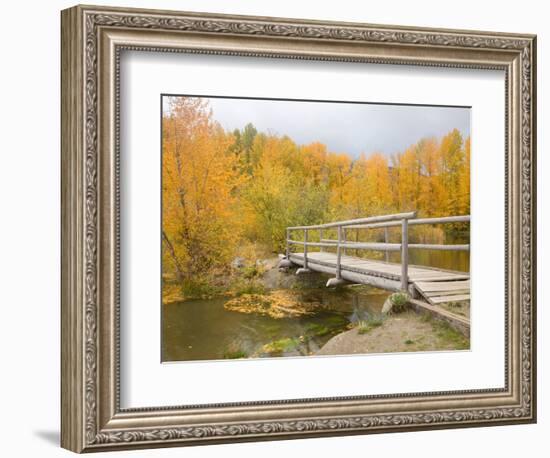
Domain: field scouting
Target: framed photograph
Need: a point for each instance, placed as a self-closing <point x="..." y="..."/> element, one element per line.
<point x="278" y="228"/>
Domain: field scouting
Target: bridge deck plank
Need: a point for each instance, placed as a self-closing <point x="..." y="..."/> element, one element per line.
<point x="455" y="298"/>
<point x="443" y="286"/>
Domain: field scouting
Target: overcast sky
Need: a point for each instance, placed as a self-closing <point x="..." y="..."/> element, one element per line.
<point x="344" y="127"/>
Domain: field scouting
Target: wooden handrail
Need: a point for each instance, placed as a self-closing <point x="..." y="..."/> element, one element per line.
<point x="353" y="245"/>
<point x="429" y="246"/>
<point x="379" y="246"/>
<point x="353" y="222"/>
<point x="414" y="222"/>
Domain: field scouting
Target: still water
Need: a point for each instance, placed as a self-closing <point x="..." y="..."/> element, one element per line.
<point x="204" y="330"/>
<point x="450" y="260"/>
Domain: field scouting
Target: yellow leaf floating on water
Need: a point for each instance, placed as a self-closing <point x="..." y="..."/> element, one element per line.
<point x="276" y="304"/>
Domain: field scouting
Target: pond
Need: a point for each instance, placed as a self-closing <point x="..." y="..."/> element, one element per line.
<point x="205" y="330"/>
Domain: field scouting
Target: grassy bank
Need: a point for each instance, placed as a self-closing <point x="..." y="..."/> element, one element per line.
<point x="244" y="276"/>
<point x="404" y="332"/>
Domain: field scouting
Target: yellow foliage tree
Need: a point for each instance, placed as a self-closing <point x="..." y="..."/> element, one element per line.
<point x="464" y="181"/>
<point x="407" y="175"/>
<point x="199" y="178"/>
<point x="368" y="191"/>
<point x="432" y="190"/>
<point x="313" y="161"/>
<point x="286" y="189"/>
<point x="339" y="174"/>
<point x="452" y="164"/>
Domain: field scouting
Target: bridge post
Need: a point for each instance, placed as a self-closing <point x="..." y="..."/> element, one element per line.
<point x="305" y="249"/>
<point x="344" y="240"/>
<point x="339" y="255"/>
<point x="386" y="240"/>
<point x="287" y="243"/>
<point x="405" y="255"/>
<point x="322" y="249"/>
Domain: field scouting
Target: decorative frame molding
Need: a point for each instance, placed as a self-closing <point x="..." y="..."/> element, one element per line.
<point x="92" y="39"/>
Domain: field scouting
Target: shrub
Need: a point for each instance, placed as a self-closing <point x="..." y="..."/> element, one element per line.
<point x="399" y="302"/>
<point x="198" y="289"/>
<point x="248" y="287"/>
<point x="250" y="272"/>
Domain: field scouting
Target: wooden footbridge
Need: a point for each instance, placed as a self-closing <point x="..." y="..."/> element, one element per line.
<point x="432" y="284"/>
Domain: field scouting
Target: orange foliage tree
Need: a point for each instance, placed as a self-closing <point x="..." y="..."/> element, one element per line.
<point x="199" y="180"/>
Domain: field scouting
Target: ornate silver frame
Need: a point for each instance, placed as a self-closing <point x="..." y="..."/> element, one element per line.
<point x="92" y="39"/>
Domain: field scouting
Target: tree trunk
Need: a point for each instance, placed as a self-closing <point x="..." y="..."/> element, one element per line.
<point x="179" y="270"/>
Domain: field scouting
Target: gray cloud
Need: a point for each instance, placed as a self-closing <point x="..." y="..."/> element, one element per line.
<point x="344" y="127"/>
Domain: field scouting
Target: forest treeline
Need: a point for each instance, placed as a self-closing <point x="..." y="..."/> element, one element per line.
<point x="223" y="191"/>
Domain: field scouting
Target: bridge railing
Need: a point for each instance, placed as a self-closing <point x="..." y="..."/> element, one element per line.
<point x="375" y="222"/>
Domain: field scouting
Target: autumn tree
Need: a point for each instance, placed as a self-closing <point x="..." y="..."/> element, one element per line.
<point x="368" y="192"/>
<point x="313" y="162"/>
<point x="199" y="176"/>
<point x="407" y="168"/>
<point x="284" y="191"/>
<point x="242" y="147"/>
<point x="339" y="174"/>
<point x="452" y="163"/>
<point x="433" y="194"/>
<point x="464" y="181"/>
